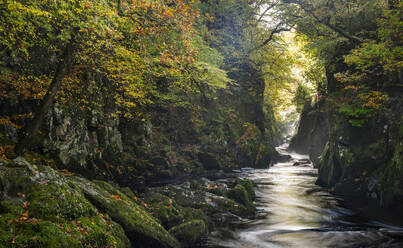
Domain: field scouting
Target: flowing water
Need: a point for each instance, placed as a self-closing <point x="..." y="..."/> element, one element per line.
<point x="294" y="212"/>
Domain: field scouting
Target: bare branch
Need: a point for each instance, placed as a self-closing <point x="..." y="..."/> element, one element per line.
<point x="271" y="6"/>
<point x="326" y="22"/>
<point x="278" y="29"/>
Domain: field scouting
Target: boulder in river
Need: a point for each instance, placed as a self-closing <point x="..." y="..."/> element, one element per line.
<point x="281" y="158"/>
<point x="302" y="162"/>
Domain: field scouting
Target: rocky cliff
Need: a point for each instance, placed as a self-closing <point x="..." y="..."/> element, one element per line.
<point x="312" y="132"/>
<point x="362" y="164"/>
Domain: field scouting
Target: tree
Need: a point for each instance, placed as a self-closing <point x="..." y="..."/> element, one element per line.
<point x="58" y="41"/>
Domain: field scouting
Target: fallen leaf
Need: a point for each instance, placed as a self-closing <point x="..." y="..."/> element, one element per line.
<point x="66" y="173"/>
<point x="116" y="197"/>
<point x="24" y="216"/>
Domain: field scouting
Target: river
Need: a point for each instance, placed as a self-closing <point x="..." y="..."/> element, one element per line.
<point x="294" y="212"/>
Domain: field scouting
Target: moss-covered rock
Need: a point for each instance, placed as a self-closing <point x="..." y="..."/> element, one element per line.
<point x="168" y="212"/>
<point x="194" y="214"/>
<point x="190" y="232"/>
<point x="140" y="227"/>
<point x="15" y="233"/>
<point x="240" y="195"/>
<point x="330" y="169"/>
<point x="248" y="185"/>
<point x="198" y="194"/>
<point x="391" y="174"/>
<point x="43" y="208"/>
<point x="164" y="209"/>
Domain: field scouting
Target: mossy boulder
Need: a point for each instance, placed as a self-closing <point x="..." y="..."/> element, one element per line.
<point x="240" y="195"/>
<point x="186" y="224"/>
<point x="190" y="232"/>
<point x="248" y="185"/>
<point x="196" y="194"/>
<point x="164" y="209"/>
<point x="140" y="227"/>
<point x="39" y="207"/>
<point x="34" y="234"/>
<point x="194" y="214"/>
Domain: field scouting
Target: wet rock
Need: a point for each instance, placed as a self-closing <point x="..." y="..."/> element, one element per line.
<point x="224" y="219"/>
<point x="302" y="162"/>
<point x="281" y="158"/>
<point x="212" y="197"/>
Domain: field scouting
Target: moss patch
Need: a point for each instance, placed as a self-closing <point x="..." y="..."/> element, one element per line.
<point x="43" y="209"/>
<point x="141" y="228"/>
<point x="189" y="232"/>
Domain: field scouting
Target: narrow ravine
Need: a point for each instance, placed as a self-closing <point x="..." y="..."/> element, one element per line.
<point x="294" y="212"/>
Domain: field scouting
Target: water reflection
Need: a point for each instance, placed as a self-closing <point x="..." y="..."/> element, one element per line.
<point x="294" y="212"/>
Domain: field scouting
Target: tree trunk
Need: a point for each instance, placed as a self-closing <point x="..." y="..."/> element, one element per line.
<point x="27" y="136"/>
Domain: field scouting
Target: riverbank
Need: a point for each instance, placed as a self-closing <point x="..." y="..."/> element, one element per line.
<point x="44" y="207"/>
<point x="295" y="212"/>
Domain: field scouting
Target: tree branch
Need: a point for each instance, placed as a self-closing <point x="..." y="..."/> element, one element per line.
<point x="278" y="29"/>
<point x="326" y="22"/>
<point x="271" y="6"/>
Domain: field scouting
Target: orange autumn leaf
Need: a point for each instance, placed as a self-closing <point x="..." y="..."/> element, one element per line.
<point x="116" y="197"/>
<point x="24" y="216"/>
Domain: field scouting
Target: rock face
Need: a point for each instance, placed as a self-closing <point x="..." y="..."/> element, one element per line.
<point x="77" y="139"/>
<point x="312" y="132"/>
<point x="362" y="164"/>
<point x="173" y="142"/>
<point x="366" y="162"/>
